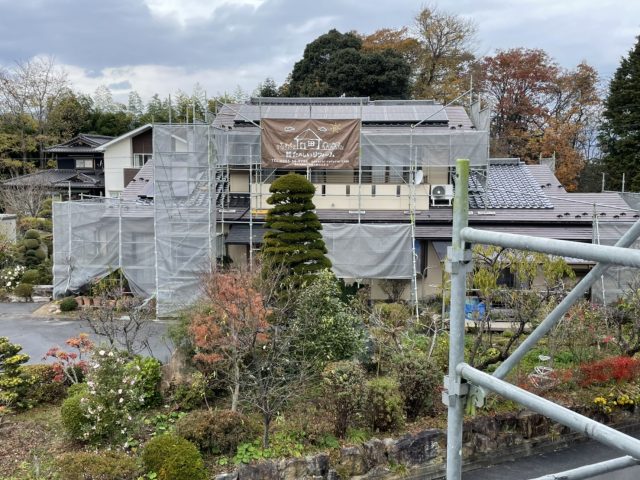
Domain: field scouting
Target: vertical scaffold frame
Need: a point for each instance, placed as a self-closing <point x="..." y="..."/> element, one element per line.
<point x="466" y="384"/>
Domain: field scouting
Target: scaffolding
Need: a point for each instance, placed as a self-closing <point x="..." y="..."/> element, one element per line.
<point x="163" y="247"/>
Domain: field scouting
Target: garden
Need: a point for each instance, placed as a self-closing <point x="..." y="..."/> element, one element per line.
<point x="285" y="361"/>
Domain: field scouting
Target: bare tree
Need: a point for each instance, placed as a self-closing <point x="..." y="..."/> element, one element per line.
<point x="126" y="323"/>
<point x="25" y="92"/>
<point x="25" y="197"/>
<point x="446" y="55"/>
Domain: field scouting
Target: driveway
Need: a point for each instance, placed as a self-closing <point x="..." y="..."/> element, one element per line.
<point x="39" y="334"/>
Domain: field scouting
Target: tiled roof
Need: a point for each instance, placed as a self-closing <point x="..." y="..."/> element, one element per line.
<point x="59" y="178"/>
<point x="509" y="185"/>
<point x="82" y="143"/>
<point x="141" y="185"/>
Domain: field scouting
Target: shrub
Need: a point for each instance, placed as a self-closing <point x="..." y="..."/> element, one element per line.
<point x="32" y="234"/>
<point x="620" y="369"/>
<point x="419" y="381"/>
<point x="68" y="304"/>
<point x="72" y="414"/>
<point x="148" y="371"/>
<point x="384" y="404"/>
<point x="216" y="431"/>
<point x="344" y="386"/>
<point x="24" y="290"/>
<point x="31" y="276"/>
<point x="173" y="458"/>
<point x="14" y="382"/>
<point x="110" y="465"/>
<point x="40" y="254"/>
<point x="77" y="388"/>
<point x="326" y="329"/>
<point x="9" y="277"/>
<point x="31" y="243"/>
<point x="69" y="366"/>
<point x="44" y="389"/>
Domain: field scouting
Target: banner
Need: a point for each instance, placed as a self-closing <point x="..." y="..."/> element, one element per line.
<point x="301" y="143"/>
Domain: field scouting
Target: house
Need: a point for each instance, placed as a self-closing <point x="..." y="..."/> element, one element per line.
<point x="382" y="193"/>
<point x="79" y="168"/>
<point x="124" y="156"/>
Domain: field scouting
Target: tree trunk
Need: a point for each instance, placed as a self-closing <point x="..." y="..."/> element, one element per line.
<point x="266" y="422"/>
<point x="236" y="387"/>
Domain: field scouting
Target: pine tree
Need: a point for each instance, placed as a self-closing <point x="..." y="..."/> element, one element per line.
<point x="293" y="238"/>
<point x="620" y="132"/>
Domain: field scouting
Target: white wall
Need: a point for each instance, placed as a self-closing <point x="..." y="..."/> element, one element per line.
<point x="116" y="157"/>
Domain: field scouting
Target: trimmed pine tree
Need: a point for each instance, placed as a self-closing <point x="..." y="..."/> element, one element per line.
<point x="293" y="239"/>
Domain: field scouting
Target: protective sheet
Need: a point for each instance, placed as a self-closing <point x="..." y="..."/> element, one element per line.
<point x="94" y="238"/>
<point x="184" y="217"/>
<point x="616" y="280"/>
<point x="380" y="147"/>
<point x="369" y="251"/>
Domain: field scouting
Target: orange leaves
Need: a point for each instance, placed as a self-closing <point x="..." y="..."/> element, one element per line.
<point x="235" y="318"/>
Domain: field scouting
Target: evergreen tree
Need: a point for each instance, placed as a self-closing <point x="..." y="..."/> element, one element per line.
<point x="620" y="133"/>
<point x="293" y="238"/>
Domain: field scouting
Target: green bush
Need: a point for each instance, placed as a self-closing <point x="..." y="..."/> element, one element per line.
<point x="14" y="382"/>
<point x="77" y="389"/>
<point x="44" y="389"/>
<point x="24" y="290"/>
<point x="344" y="388"/>
<point x="148" y="372"/>
<point x="110" y="465"/>
<point x="31" y="276"/>
<point x="173" y="458"/>
<point x="72" y="414"/>
<point x="32" y="234"/>
<point x="216" y="431"/>
<point x="384" y="404"/>
<point x="325" y="328"/>
<point x="40" y="254"/>
<point x="419" y="381"/>
<point x="31" y="243"/>
<point x="68" y="304"/>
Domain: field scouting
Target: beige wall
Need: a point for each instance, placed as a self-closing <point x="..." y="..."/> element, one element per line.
<point x="385" y="196"/>
<point x="238" y="255"/>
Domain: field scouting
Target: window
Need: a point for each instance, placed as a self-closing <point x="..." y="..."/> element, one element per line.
<point x="139" y="159"/>
<point x="84" y="163"/>
<point x="422" y="257"/>
<point x="114" y="193"/>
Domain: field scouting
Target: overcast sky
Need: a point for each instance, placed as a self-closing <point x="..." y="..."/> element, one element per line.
<point x="164" y="45"/>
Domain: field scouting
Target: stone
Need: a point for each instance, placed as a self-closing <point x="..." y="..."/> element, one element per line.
<point x="415" y="449"/>
<point x="352" y="461"/>
<point x="378" y="473"/>
<point x="292" y="469"/>
<point x="176" y="371"/>
<point x="227" y="476"/>
<point x="375" y="452"/>
<point x="259" y="471"/>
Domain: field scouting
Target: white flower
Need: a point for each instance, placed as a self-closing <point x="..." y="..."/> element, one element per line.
<point x="8" y="284"/>
<point x="133" y="382"/>
<point x="119" y="391"/>
<point x="121" y="400"/>
<point x="110" y="354"/>
<point x="129" y="418"/>
<point x="102" y="352"/>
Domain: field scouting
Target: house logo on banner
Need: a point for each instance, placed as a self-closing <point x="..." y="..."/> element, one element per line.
<point x="310" y="143"/>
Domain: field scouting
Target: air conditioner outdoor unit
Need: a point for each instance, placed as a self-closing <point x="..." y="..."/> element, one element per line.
<point x="441" y="194"/>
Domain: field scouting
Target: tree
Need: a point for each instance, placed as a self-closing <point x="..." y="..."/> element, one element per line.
<point x="230" y="326"/>
<point x="446" y="54"/>
<point x="324" y="328"/>
<point x="26" y="198"/>
<point x="526" y="284"/>
<point x="620" y="131"/>
<point x="397" y="40"/>
<point x="68" y="116"/>
<point x="268" y="88"/>
<point x="541" y="109"/>
<point x="293" y="238"/>
<point x="335" y="64"/>
<point x="26" y="90"/>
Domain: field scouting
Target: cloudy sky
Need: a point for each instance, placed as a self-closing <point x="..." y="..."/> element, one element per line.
<point x="164" y="45"/>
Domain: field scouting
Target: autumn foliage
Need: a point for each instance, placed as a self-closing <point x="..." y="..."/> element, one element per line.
<point x="70" y="366"/>
<point x="231" y="323"/>
<point x="620" y="369"/>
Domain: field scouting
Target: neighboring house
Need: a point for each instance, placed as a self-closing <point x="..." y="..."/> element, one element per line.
<point x="79" y="168"/>
<point x="204" y="193"/>
<point x="124" y="156"/>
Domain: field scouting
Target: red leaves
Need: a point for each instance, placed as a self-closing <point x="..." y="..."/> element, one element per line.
<point x="613" y="368"/>
<point x="67" y="364"/>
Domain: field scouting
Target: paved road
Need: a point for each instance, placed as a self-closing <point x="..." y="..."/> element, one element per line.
<point x="38" y="334"/>
<point x="581" y="453"/>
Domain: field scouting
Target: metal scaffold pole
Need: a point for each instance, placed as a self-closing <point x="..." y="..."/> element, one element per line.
<point x="458" y="264"/>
